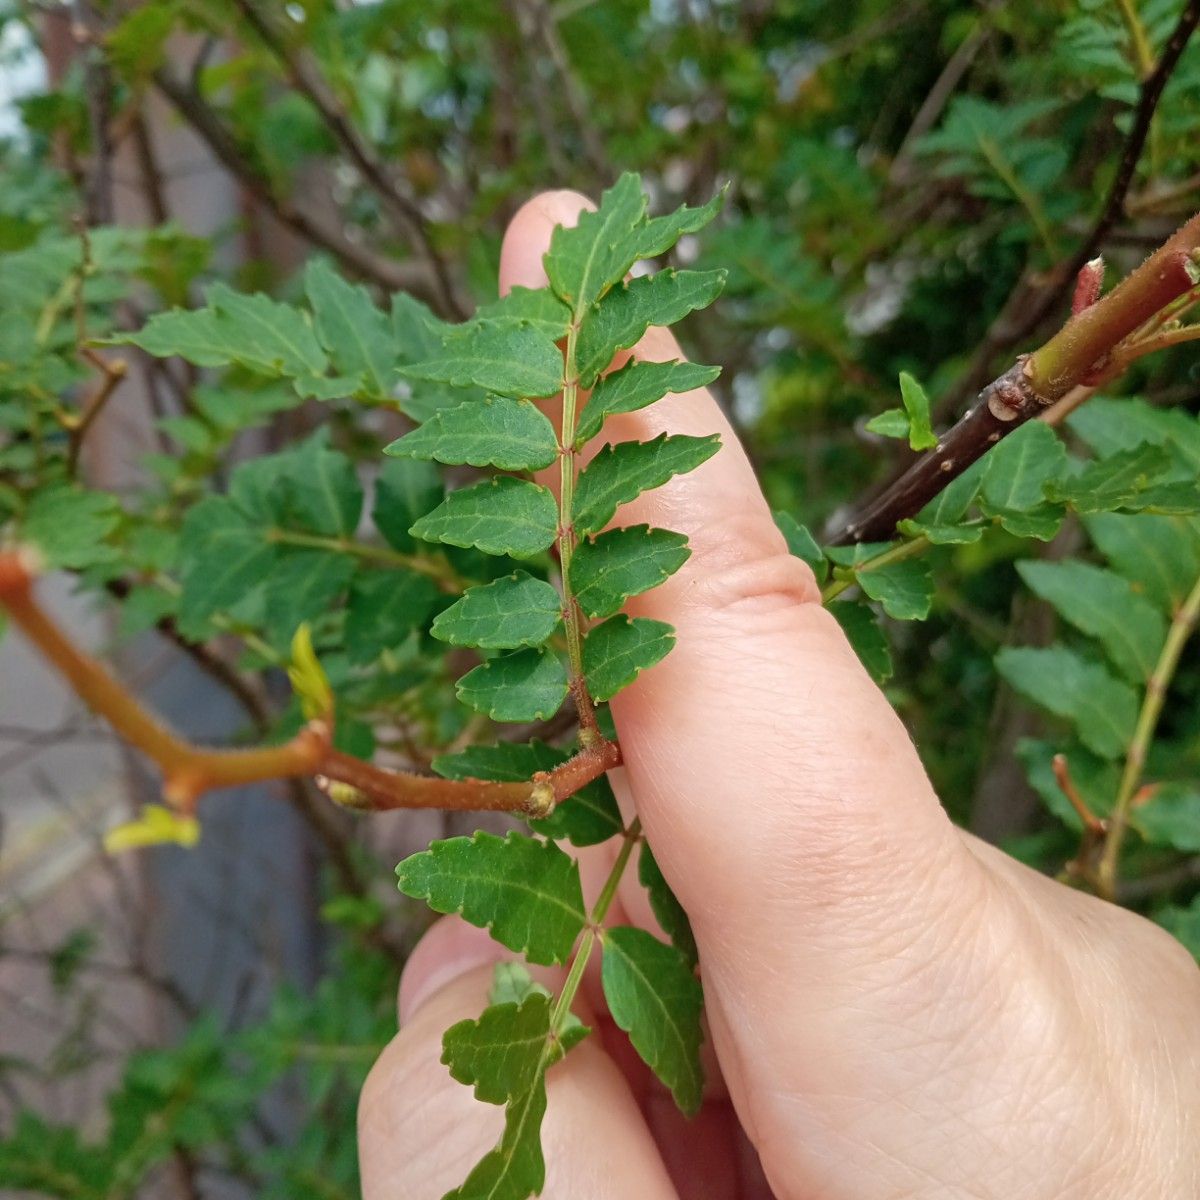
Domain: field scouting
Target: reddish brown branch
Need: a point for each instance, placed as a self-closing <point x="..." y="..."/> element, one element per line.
<point x="1088" y="343"/>
<point x="189" y="771"/>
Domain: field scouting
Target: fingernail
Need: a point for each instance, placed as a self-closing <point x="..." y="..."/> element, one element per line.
<point x="450" y="949"/>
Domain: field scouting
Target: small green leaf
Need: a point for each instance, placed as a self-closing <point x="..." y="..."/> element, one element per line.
<point x="224" y="557"/>
<point x="1170" y="817"/>
<point x="588" y="258"/>
<point x="1115" y="482"/>
<point x="405" y="489"/>
<point x="384" y="607"/>
<point x="891" y="423"/>
<point x="1102" y="709"/>
<point x="654" y="996"/>
<point x="1105" y="606"/>
<point x="1042" y="523"/>
<point x="308" y="678"/>
<point x="608" y="569"/>
<point x="303" y="585"/>
<point x="588" y="818"/>
<point x="70" y="526"/>
<point x="916" y="407"/>
<point x="621" y="318"/>
<point x="1019" y="467"/>
<point x="621" y="472"/>
<point x="616" y="652"/>
<point x="659" y="234"/>
<point x="525" y="891"/>
<point x="904" y="588"/>
<point x="941" y="535"/>
<point x="666" y="908"/>
<point x="323" y="491"/>
<point x="499" y="516"/>
<point x="356" y="334"/>
<point x="538" y="307"/>
<point x="515" y="610"/>
<point x="802" y="544"/>
<point x="515" y="1169"/>
<point x="862" y="631"/>
<point x="494" y="432"/>
<point x="950" y="505"/>
<point x="512" y="984"/>
<point x="506" y="358"/>
<point x="1159" y="555"/>
<point x="635" y="386"/>
<point x="529" y="685"/>
<point x="501" y="1055"/>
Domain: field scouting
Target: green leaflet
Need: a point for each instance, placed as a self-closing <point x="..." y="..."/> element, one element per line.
<point x="504" y="357"/>
<point x="384" y="607"/>
<point x="251" y="330"/>
<point x="322" y="490"/>
<point x="588" y="258"/>
<point x="666" y="908"/>
<point x="303" y="585"/>
<point x="621" y="472"/>
<point x="1019" y="467"/>
<point x="498" y="516"/>
<point x="224" y="557"/>
<point x="515" y="610"/>
<point x="1161" y="553"/>
<point x="950" y="505"/>
<point x="618" y="321"/>
<point x="515" y="1169"/>
<point x="916" y="408"/>
<point x="861" y="628"/>
<point x="1104" y="605"/>
<point x="802" y="544"/>
<point x="1131" y="479"/>
<point x="659" y="234"/>
<point x="616" y="652"/>
<point x="891" y="423"/>
<point x="941" y="535"/>
<point x="608" y="569"/>
<point x="405" y="489"/>
<point x="1171" y="817"/>
<point x="588" y="818"/>
<point x="356" y="334"/>
<point x="904" y="587"/>
<point x="654" y="996"/>
<point x="70" y="526"/>
<point x="494" y="432"/>
<point x="536" y="307"/>
<point x="1102" y="708"/>
<point x="636" y="385"/>
<point x="500" y="1054"/>
<point x="525" y="891"/>
<point x="529" y="685"/>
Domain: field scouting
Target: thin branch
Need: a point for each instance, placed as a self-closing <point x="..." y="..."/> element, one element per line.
<point x="1035" y="382"/>
<point x="189" y="771"/>
<point x="78" y="424"/>
<point x="1183" y="624"/>
<point x="393" y="276"/>
<point x="1030" y="304"/>
<point x="306" y="77"/>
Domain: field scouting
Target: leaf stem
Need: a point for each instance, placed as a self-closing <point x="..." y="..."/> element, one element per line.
<point x="1183" y="624"/>
<point x="438" y="569"/>
<point x="849" y="577"/>
<point x="573" y="620"/>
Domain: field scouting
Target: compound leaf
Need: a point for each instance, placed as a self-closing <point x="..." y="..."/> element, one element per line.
<point x="498" y="516"/>
<point x="616" y="652"/>
<point x="654" y="996"/>
<point x="608" y="569"/>
<point x="494" y="432"/>
<point x="621" y="472"/>
<point x="515" y="610"/>
<point x="529" y="685"/>
<point x="525" y="891"/>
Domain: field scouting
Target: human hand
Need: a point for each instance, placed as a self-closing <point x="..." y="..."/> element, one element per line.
<point x="896" y="1009"/>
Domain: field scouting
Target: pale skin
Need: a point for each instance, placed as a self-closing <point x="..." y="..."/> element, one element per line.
<point x="896" y="1009"/>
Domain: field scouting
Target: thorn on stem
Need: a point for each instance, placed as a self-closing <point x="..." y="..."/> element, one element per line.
<point x="1062" y="775"/>
<point x="1087" y="285"/>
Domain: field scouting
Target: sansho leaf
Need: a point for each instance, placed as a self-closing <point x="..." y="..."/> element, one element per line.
<point x="356" y="334"/>
<point x="528" y="685"/>
<point x="498" y="516"/>
<point x="621" y="472"/>
<point x="628" y="311"/>
<point x="515" y="1169"/>
<point x="617" y="651"/>
<point x="654" y="996"/>
<point x="608" y="569"/>
<point x="635" y="386"/>
<point x="525" y="891"/>
<point x="509" y="359"/>
<point x="513" y="435"/>
<point x="515" y="610"/>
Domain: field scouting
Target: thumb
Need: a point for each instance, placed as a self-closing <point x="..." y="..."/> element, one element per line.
<point x="784" y="800"/>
